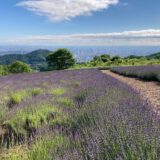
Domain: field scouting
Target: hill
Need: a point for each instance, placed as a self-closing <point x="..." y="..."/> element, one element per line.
<point x="151" y="56"/>
<point x="35" y="57"/>
<point x="154" y="56"/>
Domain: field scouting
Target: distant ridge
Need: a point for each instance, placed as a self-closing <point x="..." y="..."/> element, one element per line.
<point x="34" y="57"/>
<point x="151" y="56"/>
<point x="154" y="56"/>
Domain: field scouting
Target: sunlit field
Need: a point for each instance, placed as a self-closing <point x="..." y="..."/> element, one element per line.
<point x="77" y="114"/>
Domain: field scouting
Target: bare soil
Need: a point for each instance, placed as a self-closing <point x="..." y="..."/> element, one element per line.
<point x="149" y="91"/>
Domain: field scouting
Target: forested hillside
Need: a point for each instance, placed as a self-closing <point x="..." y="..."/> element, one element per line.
<point x="152" y="56"/>
<point x="35" y="57"/>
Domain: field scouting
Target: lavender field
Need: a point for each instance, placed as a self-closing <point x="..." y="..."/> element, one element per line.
<point x="143" y="72"/>
<point x="75" y="115"/>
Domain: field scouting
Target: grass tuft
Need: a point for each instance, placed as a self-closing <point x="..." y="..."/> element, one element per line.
<point x="36" y="91"/>
<point x="14" y="99"/>
<point x="58" y="91"/>
<point x="67" y="102"/>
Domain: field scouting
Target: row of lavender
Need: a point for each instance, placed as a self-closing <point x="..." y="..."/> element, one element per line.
<point x="90" y="116"/>
<point x="142" y="72"/>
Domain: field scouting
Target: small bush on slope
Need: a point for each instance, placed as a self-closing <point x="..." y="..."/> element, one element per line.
<point x="19" y="67"/>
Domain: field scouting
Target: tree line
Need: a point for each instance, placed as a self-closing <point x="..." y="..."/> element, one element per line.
<point x="63" y="59"/>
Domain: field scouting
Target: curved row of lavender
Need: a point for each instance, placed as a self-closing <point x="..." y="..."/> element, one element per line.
<point x="79" y="115"/>
<point x="143" y="72"/>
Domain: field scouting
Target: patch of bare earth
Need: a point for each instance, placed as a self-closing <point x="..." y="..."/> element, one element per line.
<point x="150" y="91"/>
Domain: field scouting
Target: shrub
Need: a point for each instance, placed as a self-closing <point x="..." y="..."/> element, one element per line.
<point x="19" y="67"/>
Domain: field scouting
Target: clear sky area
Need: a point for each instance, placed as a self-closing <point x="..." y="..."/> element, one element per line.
<point x="80" y="22"/>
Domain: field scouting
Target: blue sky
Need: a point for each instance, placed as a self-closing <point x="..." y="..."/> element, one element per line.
<point x="83" y="22"/>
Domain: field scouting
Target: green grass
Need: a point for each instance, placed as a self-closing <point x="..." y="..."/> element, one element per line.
<point x="34" y="116"/>
<point x="36" y="91"/>
<point x="58" y="91"/>
<point x="44" y="84"/>
<point x="63" y="82"/>
<point x="44" y="146"/>
<point x="76" y="84"/>
<point x="67" y="102"/>
<point x="2" y="113"/>
<point x="73" y="84"/>
<point x="15" y="98"/>
<point x="15" y="153"/>
<point x="82" y="95"/>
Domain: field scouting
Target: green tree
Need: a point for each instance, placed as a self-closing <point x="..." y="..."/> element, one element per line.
<point x="105" y="58"/>
<point x="19" y="67"/>
<point x="3" y="70"/>
<point x="97" y="58"/>
<point x="116" y="58"/>
<point x="60" y="59"/>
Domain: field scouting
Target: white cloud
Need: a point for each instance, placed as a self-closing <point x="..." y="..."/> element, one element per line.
<point x="143" y="37"/>
<point x="58" y="10"/>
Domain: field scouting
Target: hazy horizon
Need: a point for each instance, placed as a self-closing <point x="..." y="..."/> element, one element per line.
<point x="86" y="53"/>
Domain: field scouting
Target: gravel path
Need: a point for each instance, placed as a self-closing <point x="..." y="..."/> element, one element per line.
<point x="150" y="91"/>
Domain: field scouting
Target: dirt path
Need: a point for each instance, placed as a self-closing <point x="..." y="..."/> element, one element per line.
<point x="150" y="91"/>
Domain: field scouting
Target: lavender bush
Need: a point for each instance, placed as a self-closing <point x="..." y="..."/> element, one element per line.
<point x="78" y="114"/>
<point x="142" y="72"/>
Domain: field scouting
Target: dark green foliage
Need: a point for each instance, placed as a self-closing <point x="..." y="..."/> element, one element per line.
<point x="19" y="67"/>
<point x="97" y="58"/>
<point x="116" y="58"/>
<point x="154" y="56"/>
<point x="60" y="59"/>
<point x="3" y="70"/>
<point x="134" y="57"/>
<point x="105" y="57"/>
<point x="105" y="61"/>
